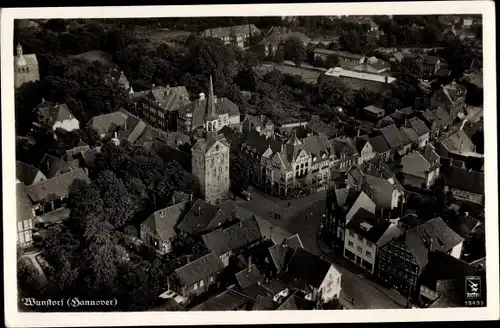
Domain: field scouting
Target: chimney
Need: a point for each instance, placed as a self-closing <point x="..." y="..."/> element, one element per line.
<point x="202" y="96"/>
<point x="250" y="263"/>
<point x="115" y="135"/>
<point x="199" y="210"/>
<point x="359" y="132"/>
<point x="386" y="79"/>
<point x="152" y="86"/>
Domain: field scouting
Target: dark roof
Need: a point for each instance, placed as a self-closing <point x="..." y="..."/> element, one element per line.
<point x="199" y="269"/>
<point x="443" y="116"/>
<point x="108" y="123"/>
<point x="380" y="190"/>
<point x="418" y="126"/>
<point x="167" y="98"/>
<point x="162" y="222"/>
<point x="217" y="242"/>
<point x="49" y="113"/>
<point x="431" y="60"/>
<point x="52" y="166"/>
<point x="318" y="126"/>
<point x="374" y="109"/>
<point x="243" y="233"/>
<point x="282" y="252"/>
<point x="56" y="187"/>
<point x="379" y="145"/>
<point x="392" y="136"/>
<point x="305" y="268"/>
<point x="433" y="235"/>
<point x="225" y="301"/>
<point x="198" y="108"/>
<point x="23" y="202"/>
<point x="248" y="277"/>
<point x="415" y="164"/>
<point x="259" y="142"/>
<point x="294" y="302"/>
<point x="464" y="225"/>
<point x="133" y="129"/>
<point x="263" y="303"/>
<point x="464" y="179"/>
<point x="364" y="223"/>
<point x="202" y="217"/>
<point x="27" y="173"/>
<point x="442" y="266"/>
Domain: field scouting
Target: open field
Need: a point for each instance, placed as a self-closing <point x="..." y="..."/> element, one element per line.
<point x="96" y="55"/>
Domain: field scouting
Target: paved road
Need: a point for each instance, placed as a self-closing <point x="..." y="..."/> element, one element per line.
<point x="304" y="218"/>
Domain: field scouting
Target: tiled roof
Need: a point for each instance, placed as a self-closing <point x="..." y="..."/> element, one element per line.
<point x="392" y="136"/>
<point x="433" y="235"/>
<point x="379" y="145"/>
<point x="340" y="72"/>
<point x="418" y="126"/>
<point x="443" y="116"/>
<point x="464" y="179"/>
<point x="415" y="164"/>
<point x="380" y="191"/>
<point x="90" y="155"/>
<point x="390" y="233"/>
<point x="263" y="303"/>
<point x="168" y="98"/>
<point x="49" y="113"/>
<point x="464" y="225"/>
<point x="225" y="301"/>
<point x="162" y="222"/>
<point x="339" y="144"/>
<point x="199" y="109"/>
<point x="52" y="166"/>
<point x="305" y="268"/>
<point x="459" y="142"/>
<point x="275" y="286"/>
<point x="24" y="205"/>
<point x="201" y="268"/>
<point x="248" y="277"/>
<point x="217" y="242"/>
<point x="243" y="233"/>
<point x="431" y="60"/>
<point x="108" y="123"/>
<point x="27" y="173"/>
<point x="57" y="187"/>
<point x="202" y="217"/>
<point x="294" y="302"/>
<point x="410" y="134"/>
<point x="318" y="126"/>
<point x="273" y="232"/>
<point x="174" y="139"/>
<point x="374" y="229"/>
<point x="385" y="121"/>
<point x="317" y="145"/>
<point x="259" y="142"/>
<point x="282" y="252"/>
<point x="133" y="129"/>
<point x="374" y="109"/>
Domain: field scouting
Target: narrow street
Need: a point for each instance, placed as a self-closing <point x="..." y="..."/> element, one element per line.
<point x="304" y="217"/>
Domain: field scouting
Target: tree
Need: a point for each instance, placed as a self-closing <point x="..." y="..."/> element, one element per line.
<point x="334" y="92"/>
<point x="332" y="61"/>
<point x="279" y="56"/>
<point x="56" y="25"/>
<point x="294" y="50"/>
<point x="239" y="173"/>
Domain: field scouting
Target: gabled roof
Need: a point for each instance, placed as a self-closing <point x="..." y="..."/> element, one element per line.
<point x="374" y="109"/>
<point x="243" y="233"/>
<point x="198" y="108"/>
<point x="463" y="179"/>
<point x="380" y="191"/>
<point x="249" y="276"/>
<point x="410" y="134"/>
<point x="52" y="166"/>
<point x="133" y="129"/>
<point x="464" y="225"/>
<point x="167" y="98"/>
<point x="108" y="123"/>
<point x="317" y="126"/>
<point x="392" y="136"/>
<point x="415" y="164"/>
<point x="365" y="224"/>
<point x="459" y="142"/>
<point x="201" y="268"/>
<point x="418" y="126"/>
<point x="379" y="145"/>
<point x="217" y="242"/>
<point x="24" y="205"/>
<point x="317" y="145"/>
<point x="27" y="173"/>
<point x="225" y="301"/>
<point x="305" y="268"/>
<point x="282" y="252"/>
<point x="229" y="31"/>
<point x="443" y="266"/>
<point x="273" y="232"/>
<point x="48" y="113"/>
<point x="294" y="302"/>
<point x="57" y="187"/>
<point x="443" y="116"/>
<point x="263" y="303"/>
<point x="433" y="235"/>
<point x="162" y="222"/>
<point x="202" y="217"/>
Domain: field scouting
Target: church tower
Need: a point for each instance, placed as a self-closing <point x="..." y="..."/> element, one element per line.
<point x="25" y="67"/>
<point x="211" y="114"/>
<point x="210" y="164"/>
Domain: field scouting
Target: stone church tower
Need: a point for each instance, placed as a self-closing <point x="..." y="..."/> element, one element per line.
<point x="25" y="67"/>
<point x="210" y="160"/>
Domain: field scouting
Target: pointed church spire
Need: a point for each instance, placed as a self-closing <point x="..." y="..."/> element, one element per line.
<point x="211" y="101"/>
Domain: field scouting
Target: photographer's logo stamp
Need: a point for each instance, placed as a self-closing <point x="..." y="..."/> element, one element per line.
<point x="473" y="287"/>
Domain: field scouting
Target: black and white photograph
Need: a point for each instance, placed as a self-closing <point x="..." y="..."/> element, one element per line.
<point x="224" y="159"/>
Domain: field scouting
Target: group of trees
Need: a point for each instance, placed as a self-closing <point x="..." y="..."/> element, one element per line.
<point x="89" y="252"/>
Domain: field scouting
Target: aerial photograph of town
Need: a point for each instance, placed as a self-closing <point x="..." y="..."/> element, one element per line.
<point x="249" y="163"/>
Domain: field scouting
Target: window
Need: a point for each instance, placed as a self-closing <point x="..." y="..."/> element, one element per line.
<point x="350" y="243"/>
<point x="195" y="286"/>
<point x="201" y="283"/>
<point x="369" y="243"/>
<point x="359" y="249"/>
<point x="211" y="279"/>
<point x="360" y="238"/>
<point x="368" y="254"/>
<point x="351" y="233"/>
<point x="338" y="281"/>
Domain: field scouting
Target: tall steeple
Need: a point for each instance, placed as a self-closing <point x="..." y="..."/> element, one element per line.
<point x="211" y="101"/>
<point x="19" y="50"/>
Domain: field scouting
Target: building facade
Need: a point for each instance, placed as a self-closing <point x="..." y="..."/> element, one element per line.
<point x="25" y="67"/>
<point x="210" y="164"/>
